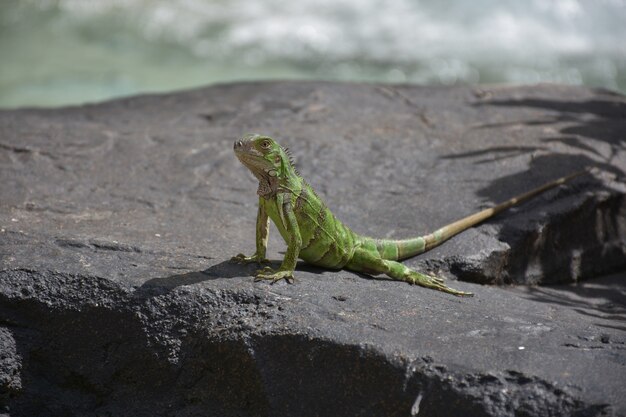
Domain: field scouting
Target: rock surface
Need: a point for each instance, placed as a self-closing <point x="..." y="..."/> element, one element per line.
<point x="117" y="221"/>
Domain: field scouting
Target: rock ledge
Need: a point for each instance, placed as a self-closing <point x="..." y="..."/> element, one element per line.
<point x="117" y="221"/>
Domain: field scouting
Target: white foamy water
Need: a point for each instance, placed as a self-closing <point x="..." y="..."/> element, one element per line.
<point x="72" y="51"/>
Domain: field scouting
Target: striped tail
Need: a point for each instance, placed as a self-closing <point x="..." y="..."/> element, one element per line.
<point x="398" y="250"/>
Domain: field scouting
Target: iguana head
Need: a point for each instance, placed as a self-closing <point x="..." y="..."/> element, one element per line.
<point x="266" y="159"/>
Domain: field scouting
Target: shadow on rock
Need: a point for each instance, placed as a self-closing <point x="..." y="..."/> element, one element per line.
<point x="574" y="240"/>
<point x="222" y="270"/>
<point x="604" y="299"/>
<point x="599" y="121"/>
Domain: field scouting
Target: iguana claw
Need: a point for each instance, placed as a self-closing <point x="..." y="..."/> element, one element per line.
<point x="436" y="283"/>
<point x="243" y="259"/>
<point x="270" y="274"/>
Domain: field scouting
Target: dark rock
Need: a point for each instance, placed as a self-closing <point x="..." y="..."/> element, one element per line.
<point x="117" y="221"/>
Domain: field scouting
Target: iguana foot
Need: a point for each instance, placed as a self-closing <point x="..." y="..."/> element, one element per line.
<point x="270" y="274"/>
<point x="435" y="283"/>
<point x="243" y="259"/>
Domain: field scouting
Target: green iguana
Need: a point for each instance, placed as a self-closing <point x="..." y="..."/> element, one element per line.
<point x="315" y="235"/>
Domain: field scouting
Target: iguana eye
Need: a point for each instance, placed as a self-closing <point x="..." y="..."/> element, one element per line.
<point x="266" y="144"/>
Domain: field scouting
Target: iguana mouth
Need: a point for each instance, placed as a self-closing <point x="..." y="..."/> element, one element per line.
<point x="252" y="162"/>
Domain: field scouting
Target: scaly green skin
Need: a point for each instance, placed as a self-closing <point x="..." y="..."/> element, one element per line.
<point x="315" y="235"/>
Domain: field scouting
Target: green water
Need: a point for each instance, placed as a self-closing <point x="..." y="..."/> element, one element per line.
<point x="75" y="51"/>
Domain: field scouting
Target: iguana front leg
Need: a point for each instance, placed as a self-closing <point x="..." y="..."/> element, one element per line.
<point x="262" y="234"/>
<point x="293" y="249"/>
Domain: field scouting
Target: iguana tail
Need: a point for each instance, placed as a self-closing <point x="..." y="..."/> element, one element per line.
<point x="397" y="250"/>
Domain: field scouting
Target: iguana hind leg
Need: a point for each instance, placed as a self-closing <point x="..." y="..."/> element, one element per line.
<point x="371" y="263"/>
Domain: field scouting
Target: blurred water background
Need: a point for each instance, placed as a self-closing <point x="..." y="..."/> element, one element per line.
<point x="56" y="52"/>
